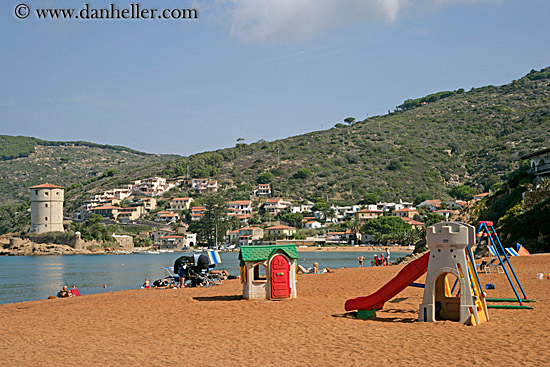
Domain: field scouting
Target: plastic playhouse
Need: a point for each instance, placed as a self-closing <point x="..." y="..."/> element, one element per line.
<point x="268" y="272"/>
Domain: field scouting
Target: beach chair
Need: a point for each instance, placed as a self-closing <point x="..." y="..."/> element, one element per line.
<point x="511" y="251"/>
<point x="170" y="275"/>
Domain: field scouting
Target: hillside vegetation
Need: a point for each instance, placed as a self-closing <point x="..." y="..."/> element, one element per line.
<point x="29" y="161"/>
<point x="426" y="146"/>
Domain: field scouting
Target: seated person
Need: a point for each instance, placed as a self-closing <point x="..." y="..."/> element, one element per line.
<point x="223" y="274"/>
<point x="146" y="283"/>
<point x="314" y="270"/>
<point x="161" y="283"/>
<point x="74" y="291"/>
<point x="64" y="292"/>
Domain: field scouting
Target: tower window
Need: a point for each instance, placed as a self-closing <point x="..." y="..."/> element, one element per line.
<point x="45" y="218"/>
<point x="36" y="192"/>
<point x="46" y="193"/>
<point x="46" y="205"/>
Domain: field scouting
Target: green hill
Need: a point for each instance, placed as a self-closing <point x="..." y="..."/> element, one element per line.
<point x="78" y="166"/>
<point x="425" y="146"/>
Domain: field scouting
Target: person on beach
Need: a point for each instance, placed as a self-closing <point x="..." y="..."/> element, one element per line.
<point x="74" y="291"/>
<point x="146" y="283"/>
<point x="387" y="256"/>
<point x="224" y="275"/>
<point x="64" y="292"/>
<point x="314" y="270"/>
<point x="361" y="259"/>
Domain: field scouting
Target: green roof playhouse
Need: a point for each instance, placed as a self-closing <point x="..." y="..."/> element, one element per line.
<point x="268" y="271"/>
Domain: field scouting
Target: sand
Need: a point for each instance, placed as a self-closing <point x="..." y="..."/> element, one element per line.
<point x="215" y="327"/>
<point x="353" y="248"/>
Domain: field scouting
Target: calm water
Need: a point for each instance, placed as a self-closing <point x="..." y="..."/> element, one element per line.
<point x="26" y="278"/>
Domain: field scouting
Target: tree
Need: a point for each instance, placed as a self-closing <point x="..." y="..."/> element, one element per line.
<point x="302" y="173"/>
<point x="462" y="192"/>
<point x="324" y="208"/>
<point x="349" y="120"/>
<point x="265" y="178"/>
<point x="211" y="228"/>
<point x="386" y="228"/>
<point x="432" y="218"/>
<point x="293" y="219"/>
<point x="370" y="198"/>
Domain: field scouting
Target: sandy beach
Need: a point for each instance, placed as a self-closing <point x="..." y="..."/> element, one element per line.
<point x="353" y="248"/>
<point x="215" y="327"/>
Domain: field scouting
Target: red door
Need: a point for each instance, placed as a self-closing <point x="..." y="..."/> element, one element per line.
<point x="280" y="277"/>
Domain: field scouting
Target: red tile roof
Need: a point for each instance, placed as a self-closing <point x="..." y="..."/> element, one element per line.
<point x="280" y="226"/>
<point x="105" y="207"/>
<point x="46" y="186"/>
<point x="172" y="236"/>
<point x="412" y="222"/>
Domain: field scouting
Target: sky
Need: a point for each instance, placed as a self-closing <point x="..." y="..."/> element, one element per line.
<point x="251" y="69"/>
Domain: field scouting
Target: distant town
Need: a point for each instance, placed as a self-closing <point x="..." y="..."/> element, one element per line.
<point x="260" y="219"/>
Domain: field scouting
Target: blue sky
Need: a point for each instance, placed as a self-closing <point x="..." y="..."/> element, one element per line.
<point x="249" y="69"/>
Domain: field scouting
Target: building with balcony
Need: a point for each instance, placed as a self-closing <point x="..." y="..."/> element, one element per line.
<point x="539" y="162"/>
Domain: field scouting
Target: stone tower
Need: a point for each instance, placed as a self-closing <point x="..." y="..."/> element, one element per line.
<point x="46" y="208"/>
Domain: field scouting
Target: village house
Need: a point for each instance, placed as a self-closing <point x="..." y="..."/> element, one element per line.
<point x="233" y="236"/>
<point x="167" y="216"/>
<point x="275" y="205"/>
<point x="280" y="231"/>
<point x="431" y="205"/>
<point x="405" y="213"/>
<point x="152" y="186"/>
<point x="539" y="162"/>
<point x="480" y="196"/>
<point x="456" y="204"/>
<point x="263" y="190"/>
<point x="129" y="214"/>
<point x="108" y="212"/>
<point x="202" y="185"/>
<point x="302" y="208"/>
<point x="161" y="232"/>
<point x="177" y="242"/>
<point x="148" y="203"/>
<point x="181" y="203"/>
<point x="197" y="212"/>
<point x="250" y="236"/>
<point x="415" y="224"/>
<point x="312" y="224"/>
<point x="447" y="213"/>
<point x="239" y="207"/>
<point x="124" y="241"/>
<point x="365" y="214"/>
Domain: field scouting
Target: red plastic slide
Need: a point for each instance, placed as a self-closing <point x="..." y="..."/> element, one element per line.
<point x="406" y="276"/>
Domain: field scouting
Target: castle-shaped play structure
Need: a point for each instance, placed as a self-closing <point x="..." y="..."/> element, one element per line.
<point x="451" y="257"/>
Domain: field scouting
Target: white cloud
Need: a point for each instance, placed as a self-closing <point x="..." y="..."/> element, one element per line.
<point x="291" y="21"/>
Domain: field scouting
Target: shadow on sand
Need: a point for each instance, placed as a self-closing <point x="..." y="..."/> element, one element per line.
<point x="353" y="315"/>
<point x="219" y="298"/>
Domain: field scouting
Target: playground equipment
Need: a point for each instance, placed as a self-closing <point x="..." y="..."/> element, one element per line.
<point x="488" y="232"/>
<point x="449" y="244"/>
<point x="450" y="255"/>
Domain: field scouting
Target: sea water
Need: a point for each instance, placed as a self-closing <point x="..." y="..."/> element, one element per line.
<point x="27" y="278"/>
